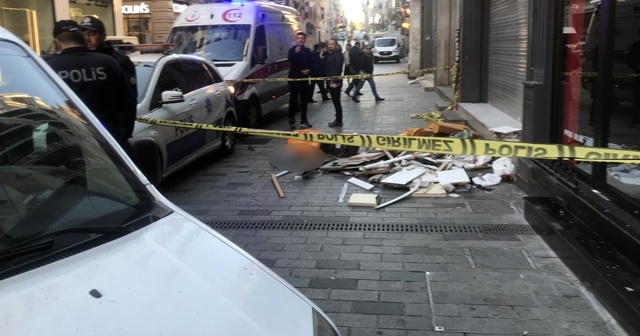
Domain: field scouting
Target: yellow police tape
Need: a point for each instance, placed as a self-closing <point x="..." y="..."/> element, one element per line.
<point x="456" y="146"/>
<point x="255" y="80"/>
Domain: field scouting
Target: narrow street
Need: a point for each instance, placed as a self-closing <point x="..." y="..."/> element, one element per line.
<point x="467" y="265"/>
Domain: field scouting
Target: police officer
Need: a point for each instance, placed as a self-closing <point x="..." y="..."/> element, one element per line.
<point x="95" y="33"/>
<point x="96" y="78"/>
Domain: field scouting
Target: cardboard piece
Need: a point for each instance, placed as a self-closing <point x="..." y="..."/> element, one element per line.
<point x="366" y="200"/>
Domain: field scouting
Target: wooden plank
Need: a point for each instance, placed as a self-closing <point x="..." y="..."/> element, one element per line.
<point x="367" y="200"/>
<point x="433" y="190"/>
<point x="391" y="158"/>
<point x="276" y="184"/>
<point x="442" y="166"/>
<point x="360" y="183"/>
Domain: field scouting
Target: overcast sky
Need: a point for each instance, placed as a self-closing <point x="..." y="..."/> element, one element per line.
<point x="353" y="10"/>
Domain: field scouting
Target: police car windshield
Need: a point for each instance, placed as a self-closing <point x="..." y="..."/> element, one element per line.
<point x="56" y="170"/>
<point x="215" y="42"/>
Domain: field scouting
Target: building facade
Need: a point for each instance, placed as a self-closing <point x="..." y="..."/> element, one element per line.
<point x="32" y="20"/>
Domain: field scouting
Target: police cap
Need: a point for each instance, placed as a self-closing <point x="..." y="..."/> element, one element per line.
<point x="64" y="26"/>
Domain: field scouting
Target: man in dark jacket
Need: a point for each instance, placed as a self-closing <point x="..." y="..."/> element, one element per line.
<point x="95" y="33"/>
<point x="300" y="63"/>
<point x="335" y="61"/>
<point x="319" y="69"/>
<point x="366" y="67"/>
<point x="354" y="60"/>
<point x="96" y="78"/>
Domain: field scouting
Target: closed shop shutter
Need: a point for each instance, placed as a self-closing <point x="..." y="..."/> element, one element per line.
<point x="508" y="39"/>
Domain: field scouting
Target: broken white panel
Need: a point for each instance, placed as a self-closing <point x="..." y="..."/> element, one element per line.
<point x="404" y="176"/>
<point x="427" y="178"/>
<point x="453" y="176"/>
<point x="360" y="183"/>
<point x="506" y="129"/>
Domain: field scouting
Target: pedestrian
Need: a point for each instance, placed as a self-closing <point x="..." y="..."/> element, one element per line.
<point x="354" y="62"/>
<point x="335" y="61"/>
<point x="96" y="78"/>
<point x="345" y="56"/>
<point x="95" y="33"/>
<point x="300" y="62"/>
<point x="319" y="69"/>
<point x="366" y="68"/>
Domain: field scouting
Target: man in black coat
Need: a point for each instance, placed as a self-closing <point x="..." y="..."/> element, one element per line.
<point x="96" y="78"/>
<point x="300" y="63"/>
<point x="95" y="33"/>
<point x="355" y="55"/>
<point x="335" y="61"/>
<point x="319" y="70"/>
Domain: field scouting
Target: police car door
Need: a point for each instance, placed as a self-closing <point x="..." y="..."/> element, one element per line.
<point x="210" y="95"/>
<point x="177" y="144"/>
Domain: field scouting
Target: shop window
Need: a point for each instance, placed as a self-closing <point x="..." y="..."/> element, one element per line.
<point x="31" y="21"/>
<point x="617" y="124"/>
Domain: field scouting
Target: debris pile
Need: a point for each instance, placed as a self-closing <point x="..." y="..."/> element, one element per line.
<point x="424" y="174"/>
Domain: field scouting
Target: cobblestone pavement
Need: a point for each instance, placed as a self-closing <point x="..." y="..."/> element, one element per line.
<point x="467" y="265"/>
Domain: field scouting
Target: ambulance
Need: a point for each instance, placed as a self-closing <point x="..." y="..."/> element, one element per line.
<point x="245" y="40"/>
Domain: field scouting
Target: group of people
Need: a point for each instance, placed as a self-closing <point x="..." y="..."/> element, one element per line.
<point x="101" y="76"/>
<point x="326" y="61"/>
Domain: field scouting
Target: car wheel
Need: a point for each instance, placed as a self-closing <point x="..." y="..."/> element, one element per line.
<point x="227" y="139"/>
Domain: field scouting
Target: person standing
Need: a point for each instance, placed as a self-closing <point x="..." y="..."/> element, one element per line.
<point x="300" y="63"/>
<point x="354" y="61"/>
<point x="95" y="33"/>
<point x="345" y="56"/>
<point x="319" y="69"/>
<point x="335" y="61"/>
<point x="96" y="78"/>
<point x="366" y="67"/>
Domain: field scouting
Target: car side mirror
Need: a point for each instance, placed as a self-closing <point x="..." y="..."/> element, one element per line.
<point x="261" y="54"/>
<point x="145" y="154"/>
<point x="170" y="97"/>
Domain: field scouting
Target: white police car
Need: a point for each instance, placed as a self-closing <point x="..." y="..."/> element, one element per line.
<point x="184" y="88"/>
<point x="88" y="246"/>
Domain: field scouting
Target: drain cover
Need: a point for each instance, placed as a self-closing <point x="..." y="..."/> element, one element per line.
<point x="495" y="229"/>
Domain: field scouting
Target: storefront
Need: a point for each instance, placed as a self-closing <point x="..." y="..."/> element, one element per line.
<point x="150" y="22"/>
<point x="583" y="89"/>
<point x="33" y="20"/>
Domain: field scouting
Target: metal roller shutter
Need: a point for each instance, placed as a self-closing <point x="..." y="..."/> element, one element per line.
<point x="508" y="55"/>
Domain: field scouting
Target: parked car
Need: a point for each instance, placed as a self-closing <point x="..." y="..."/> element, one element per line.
<point x="184" y="88"/>
<point x="88" y="246"/>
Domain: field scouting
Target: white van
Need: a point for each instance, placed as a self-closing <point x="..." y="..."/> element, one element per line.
<point x="387" y="48"/>
<point x="245" y="40"/>
<point x="88" y="246"/>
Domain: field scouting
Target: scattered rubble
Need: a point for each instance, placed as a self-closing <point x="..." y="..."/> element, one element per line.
<point x="427" y="175"/>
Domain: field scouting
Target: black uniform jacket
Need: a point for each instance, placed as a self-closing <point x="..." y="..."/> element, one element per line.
<point x="99" y="82"/>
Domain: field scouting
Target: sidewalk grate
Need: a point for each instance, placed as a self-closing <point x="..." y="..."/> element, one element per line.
<point x="495" y="229"/>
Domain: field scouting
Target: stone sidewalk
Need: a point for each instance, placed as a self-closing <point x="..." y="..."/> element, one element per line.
<point x="466" y="265"/>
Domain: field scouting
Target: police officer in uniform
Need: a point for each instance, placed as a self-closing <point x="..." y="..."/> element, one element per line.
<point x="96" y="78"/>
<point x="95" y="33"/>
